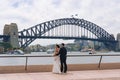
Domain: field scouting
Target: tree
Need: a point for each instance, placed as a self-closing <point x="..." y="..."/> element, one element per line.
<point x="6" y="45"/>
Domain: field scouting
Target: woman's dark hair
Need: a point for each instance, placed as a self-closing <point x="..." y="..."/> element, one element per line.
<point x="57" y="46"/>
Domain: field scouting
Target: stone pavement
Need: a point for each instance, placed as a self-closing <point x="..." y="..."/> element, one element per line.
<point x="71" y="75"/>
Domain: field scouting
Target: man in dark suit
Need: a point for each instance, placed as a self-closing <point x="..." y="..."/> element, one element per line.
<point x="63" y="56"/>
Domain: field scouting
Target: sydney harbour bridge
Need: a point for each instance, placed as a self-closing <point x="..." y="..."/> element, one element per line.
<point x="65" y="28"/>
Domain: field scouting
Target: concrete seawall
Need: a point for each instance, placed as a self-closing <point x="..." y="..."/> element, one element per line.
<point x="48" y="68"/>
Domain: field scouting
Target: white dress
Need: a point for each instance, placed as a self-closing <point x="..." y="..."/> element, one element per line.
<point x="56" y="65"/>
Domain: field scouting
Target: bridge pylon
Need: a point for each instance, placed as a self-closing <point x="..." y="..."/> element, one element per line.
<point x="12" y="31"/>
<point x="118" y="39"/>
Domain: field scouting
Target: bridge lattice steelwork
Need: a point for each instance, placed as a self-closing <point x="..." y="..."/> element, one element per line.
<point x="66" y="28"/>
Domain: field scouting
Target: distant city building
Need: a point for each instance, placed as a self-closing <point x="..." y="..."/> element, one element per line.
<point x="1" y="40"/>
<point x="37" y="48"/>
<point x="118" y="39"/>
<point x="1" y="49"/>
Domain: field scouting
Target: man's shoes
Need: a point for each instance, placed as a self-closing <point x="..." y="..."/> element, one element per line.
<point x="63" y="72"/>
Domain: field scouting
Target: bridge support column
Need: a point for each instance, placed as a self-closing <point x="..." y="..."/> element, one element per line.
<point x="118" y="39"/>
<point x="12" y="30"/>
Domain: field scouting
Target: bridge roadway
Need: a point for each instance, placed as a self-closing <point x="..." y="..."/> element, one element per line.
<point x="2" y="36"/>
<point x="113" y="74"/>
<point x="60" y="37"/>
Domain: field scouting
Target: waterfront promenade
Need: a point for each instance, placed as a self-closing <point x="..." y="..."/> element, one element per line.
<point x="113" y="74"/>
<point x="100" y="70"/>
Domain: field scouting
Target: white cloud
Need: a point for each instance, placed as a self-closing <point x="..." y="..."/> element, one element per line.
<point x="27" y="13"/>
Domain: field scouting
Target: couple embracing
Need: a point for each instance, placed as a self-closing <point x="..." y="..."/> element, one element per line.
<point x="60" y="56"/>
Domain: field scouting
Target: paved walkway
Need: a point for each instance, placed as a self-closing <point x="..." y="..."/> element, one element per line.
<point x="71" y="75"/>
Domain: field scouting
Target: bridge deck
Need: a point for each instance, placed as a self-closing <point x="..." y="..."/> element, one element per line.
<point x="71" y="75"/>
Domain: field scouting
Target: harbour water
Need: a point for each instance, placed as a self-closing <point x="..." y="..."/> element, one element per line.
<point x="12" y="61"/>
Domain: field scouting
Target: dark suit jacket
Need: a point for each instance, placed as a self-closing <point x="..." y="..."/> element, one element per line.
<point x="62" y="53"/>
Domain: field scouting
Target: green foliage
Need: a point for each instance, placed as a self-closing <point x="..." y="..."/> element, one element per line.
<point x="6" y="45"/>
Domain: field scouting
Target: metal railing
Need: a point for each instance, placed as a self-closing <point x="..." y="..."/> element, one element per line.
<point x="83" y="55"/>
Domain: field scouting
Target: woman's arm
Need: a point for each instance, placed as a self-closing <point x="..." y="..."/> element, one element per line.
<point x="57" y="51"/>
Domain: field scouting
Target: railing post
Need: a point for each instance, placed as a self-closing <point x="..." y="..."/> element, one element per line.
<point x="26" y="63"/>
<point x="100" y="62"/>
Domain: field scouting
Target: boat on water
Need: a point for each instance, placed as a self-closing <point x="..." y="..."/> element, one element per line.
<point x="50" y="51"/>
<point x="92" y="51"/>
<point x="18" y="51"/>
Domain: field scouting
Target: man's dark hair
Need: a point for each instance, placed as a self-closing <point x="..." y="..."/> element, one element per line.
<point x="63" y="44"/>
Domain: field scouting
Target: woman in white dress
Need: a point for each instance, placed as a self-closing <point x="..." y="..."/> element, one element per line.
<point x="56" y="64"/>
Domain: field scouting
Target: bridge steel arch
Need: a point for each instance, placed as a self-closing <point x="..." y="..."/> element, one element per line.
<point x="29" y="35"/>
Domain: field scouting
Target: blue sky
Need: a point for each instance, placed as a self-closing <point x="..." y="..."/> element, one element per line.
<point x="27" y="13"/>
